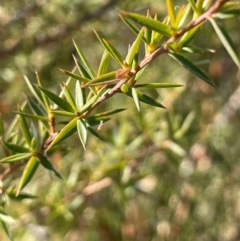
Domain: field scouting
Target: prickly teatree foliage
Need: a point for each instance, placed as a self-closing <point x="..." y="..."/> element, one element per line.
<point x="34" y="134"/>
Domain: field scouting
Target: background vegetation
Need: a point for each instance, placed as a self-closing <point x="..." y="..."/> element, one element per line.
<point x="169" y="174"/>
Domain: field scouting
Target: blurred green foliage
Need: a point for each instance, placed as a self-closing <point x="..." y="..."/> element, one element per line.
<point x="163" y="174"/>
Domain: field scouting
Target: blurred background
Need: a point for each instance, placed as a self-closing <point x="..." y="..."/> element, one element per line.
<point x="169" y="174"/>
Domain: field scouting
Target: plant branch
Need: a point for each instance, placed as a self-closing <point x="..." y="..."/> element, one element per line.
<point x="162" y="50"/>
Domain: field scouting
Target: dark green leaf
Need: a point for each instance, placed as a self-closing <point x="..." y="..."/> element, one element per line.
<point x="191" y="68"/>
<point x="48" y="165"/>
<point x="93" y="132"/>
<point x="16" y="148"/>
<point x="7" y="230"/>
<point x="57" y="100"/>
<point x="226" y="41"/>
<point x="146" y="99"/>
<point x="12" y="194"/>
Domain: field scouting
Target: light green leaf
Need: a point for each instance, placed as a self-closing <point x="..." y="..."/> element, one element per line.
<point x="135" y="98"/>
<point x="36" y="93"/>
<point x="193" y="6"/>
<point x="171" y="12"/>
<point x="134" y="48"/>
<point x="111" y="49"/>
<point x="48" y="165"/>
<point x="25" y="129"/>
<point x="82" y="132"/>
<point x="5" y="218"/>
<point x="16" y="157"/>
<point x="146" y="99"/>
<point x="149" y="23"/>
<point x="157" y="85"/>
<point x="69" y="97"/>
<point x="14" y="124"/>
<point x="45" y="98"/>
<point x="188" y="36"/>
<point x="75" y="76"/>
<point x="103" y="66"/>
<point x="28" y="173"/>
<point x="132" y="27"/>
<point x="84" y="61"/>
<point x="92" y="100"/>
<point x="32" y="116"/>
<point x="103" y="78"/>
<point x="63" y="113"/>
<point x="57" y="100"/>
<point x="79" y="96"/>
<point x="226" y="41"/>
<point x="191" y="68"/>
<point x="67" y="131"/>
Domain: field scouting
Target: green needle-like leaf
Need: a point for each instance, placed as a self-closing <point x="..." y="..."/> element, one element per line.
<point x="75" y="76"/>
<point x="157" y="85"/>
<point x="25" y="129"/>
<point x="103" y="78"/>
<point x="82" y="132"/>
<point x="84" y="60"/>
<point x="28" y="173"/>
<point x="148" y="22"/>
<point x="95" y="133"/>
<point x="108" y="113"/>
<point x="191" y="68"/>
<point x="135" y="98"/>
<point x="79" y="96"/>
<point x="67" y="131"/>
<point x="146" y="99"/>
<point x="226" y="41"/>
<point x="7" y="230"/>
<point x="45" y="98"/>
<point x="69" y="97"/>
<point x="111" y="49"/>
<point x="171" y="12"/>
<point x="103" y="66"/>
<point x="134" y="48"/>
<point x="16" y="157"/>
<point x="16" y="148"/>
<point x="57" y="100"/>
<point x="32" y="116"/>
<point x="48" y="165"/>
<point x="36" y="93"/>
<point x="35" y="107"/>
